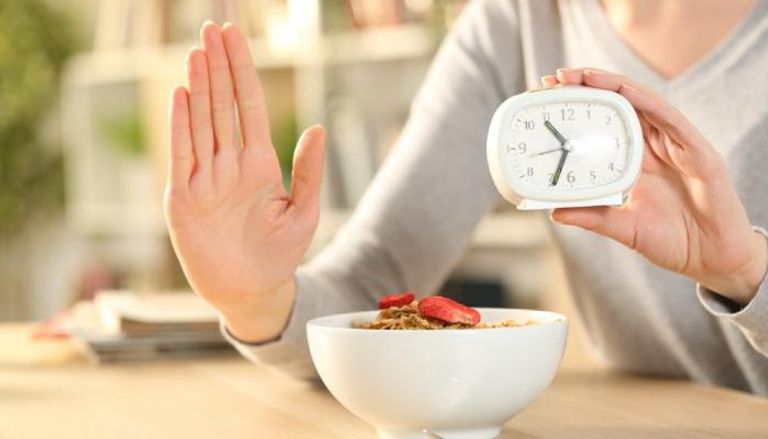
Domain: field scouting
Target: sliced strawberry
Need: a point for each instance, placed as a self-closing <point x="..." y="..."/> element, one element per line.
<point x="396" y="299"/>
<point x="447" y="310"/>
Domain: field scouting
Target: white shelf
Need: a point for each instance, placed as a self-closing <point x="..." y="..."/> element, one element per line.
<point x="119" y="65"/>
<point x="380" y="44"/>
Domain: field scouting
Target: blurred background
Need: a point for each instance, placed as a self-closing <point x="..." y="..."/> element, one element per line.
<point x="83" y="103"/>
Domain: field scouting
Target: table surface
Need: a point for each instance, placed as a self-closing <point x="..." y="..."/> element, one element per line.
<point x="48" y="390"/>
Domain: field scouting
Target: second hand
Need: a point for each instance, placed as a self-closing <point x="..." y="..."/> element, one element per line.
<point x="546" y="152"/>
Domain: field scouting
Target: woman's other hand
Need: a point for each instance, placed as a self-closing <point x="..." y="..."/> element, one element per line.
<point x="238" y="234"/>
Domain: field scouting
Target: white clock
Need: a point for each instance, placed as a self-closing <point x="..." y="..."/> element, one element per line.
<point x="567" y="146"/>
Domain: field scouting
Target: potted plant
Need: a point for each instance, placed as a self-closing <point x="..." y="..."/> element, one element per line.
<point x="35" y="41"/>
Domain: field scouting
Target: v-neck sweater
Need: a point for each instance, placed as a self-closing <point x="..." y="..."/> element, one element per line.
<point x="417" y="217"/>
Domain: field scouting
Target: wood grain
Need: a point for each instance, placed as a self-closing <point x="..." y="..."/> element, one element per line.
<point x="46" y="390"/>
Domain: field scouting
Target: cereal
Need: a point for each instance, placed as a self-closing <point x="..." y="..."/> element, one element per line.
<point x="409" y="317"/>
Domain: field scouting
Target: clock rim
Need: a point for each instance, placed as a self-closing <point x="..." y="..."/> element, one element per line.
<point x="509" y="185"/>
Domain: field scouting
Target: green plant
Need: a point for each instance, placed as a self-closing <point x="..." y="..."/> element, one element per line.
<point x="35" y="41"/>
<point x="125" y="133"/>
<point x="285" y="134"/>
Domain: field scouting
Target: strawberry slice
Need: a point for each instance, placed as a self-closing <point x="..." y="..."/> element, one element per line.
<point x="447" y="310"/>
<point x="396" y="299"/>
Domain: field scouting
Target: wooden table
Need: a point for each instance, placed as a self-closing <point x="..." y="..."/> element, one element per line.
<point x="48" y="391"/>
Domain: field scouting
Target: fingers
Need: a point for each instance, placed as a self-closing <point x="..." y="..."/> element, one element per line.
<point x="689" y="149"/>
<point x="615" y="223"/>
<point x="549" y="81"/>
<point x="664" y="115"/>
<point x="308" y="167"/>
<point x="222" y="92"/>
<point x="200" y="110"/>
<point x="181" y="160"/>
<point x="569" y="76"/>
<point x="254" y="121"/>
<point x="657" y="109"/>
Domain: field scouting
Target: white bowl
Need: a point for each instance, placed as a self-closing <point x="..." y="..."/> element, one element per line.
<point x="456" y="384"/>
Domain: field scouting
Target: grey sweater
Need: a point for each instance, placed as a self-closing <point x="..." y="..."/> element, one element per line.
<point x="418" y="215"/>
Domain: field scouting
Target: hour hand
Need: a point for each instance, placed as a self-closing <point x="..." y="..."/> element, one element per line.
<point x="555" y="132"/>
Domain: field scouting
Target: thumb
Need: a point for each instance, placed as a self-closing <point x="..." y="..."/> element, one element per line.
<point x="613" y="222"/>
<point x="308" y="167"/>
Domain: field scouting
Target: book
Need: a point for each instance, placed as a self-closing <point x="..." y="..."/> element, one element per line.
<point x="122" y="325"/>
<point x="138" y="314"/>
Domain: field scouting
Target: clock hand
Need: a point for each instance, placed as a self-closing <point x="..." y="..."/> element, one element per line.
<point x="546" y="152"/>
<point x="565" y="146"/>
<point x="559" y="170"/>
<point x="555" y="132"/>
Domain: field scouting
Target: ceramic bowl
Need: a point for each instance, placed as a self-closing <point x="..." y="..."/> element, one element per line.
<point x="456" y="384"/>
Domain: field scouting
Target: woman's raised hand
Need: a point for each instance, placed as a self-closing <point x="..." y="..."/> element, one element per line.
<point x="238" y="234"/>
<point x="684" y="213"/>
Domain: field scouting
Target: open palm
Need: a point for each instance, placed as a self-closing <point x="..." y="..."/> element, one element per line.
<point x="238" y="234"/>
<point x="684" y="214"/>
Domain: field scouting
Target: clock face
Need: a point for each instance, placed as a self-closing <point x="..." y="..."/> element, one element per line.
<point x="562" y="146"/>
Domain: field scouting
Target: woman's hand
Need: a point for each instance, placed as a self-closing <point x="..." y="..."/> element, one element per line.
<point x="684" y="214"/>
<point x="238" y="235"/>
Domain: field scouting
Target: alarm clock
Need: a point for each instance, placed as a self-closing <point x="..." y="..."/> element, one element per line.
<point x="566" y="146"/>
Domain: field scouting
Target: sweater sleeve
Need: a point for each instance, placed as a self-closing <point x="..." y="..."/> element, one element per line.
<point x="751" y="319"/>
<point x="416" y="218"/>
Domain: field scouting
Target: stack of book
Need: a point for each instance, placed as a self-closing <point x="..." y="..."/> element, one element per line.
<point x="128" y="326"/>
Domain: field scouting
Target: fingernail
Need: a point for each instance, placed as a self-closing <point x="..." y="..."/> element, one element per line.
<point x="227" y="24"/>
<point x="208" y="23"/>
<point x="191" y="53"/>
<point x="564" y="70"/>
<point x="590" y="72"/>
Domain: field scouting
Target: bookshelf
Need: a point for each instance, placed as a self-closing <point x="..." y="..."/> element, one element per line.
<point x="316" y="67"/>
<point x="128" y="76"/>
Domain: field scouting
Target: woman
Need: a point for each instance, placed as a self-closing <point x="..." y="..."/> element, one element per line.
<point x="679" y="288"/>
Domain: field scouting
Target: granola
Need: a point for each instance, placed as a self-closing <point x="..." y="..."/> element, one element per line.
<point x="408" y="317"/>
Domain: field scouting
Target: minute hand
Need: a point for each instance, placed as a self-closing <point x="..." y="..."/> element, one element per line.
<point x="559" y="170"/>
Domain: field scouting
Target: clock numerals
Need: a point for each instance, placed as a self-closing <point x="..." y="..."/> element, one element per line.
<point x="521" y="147"/>
<point x="544" y="136"/>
